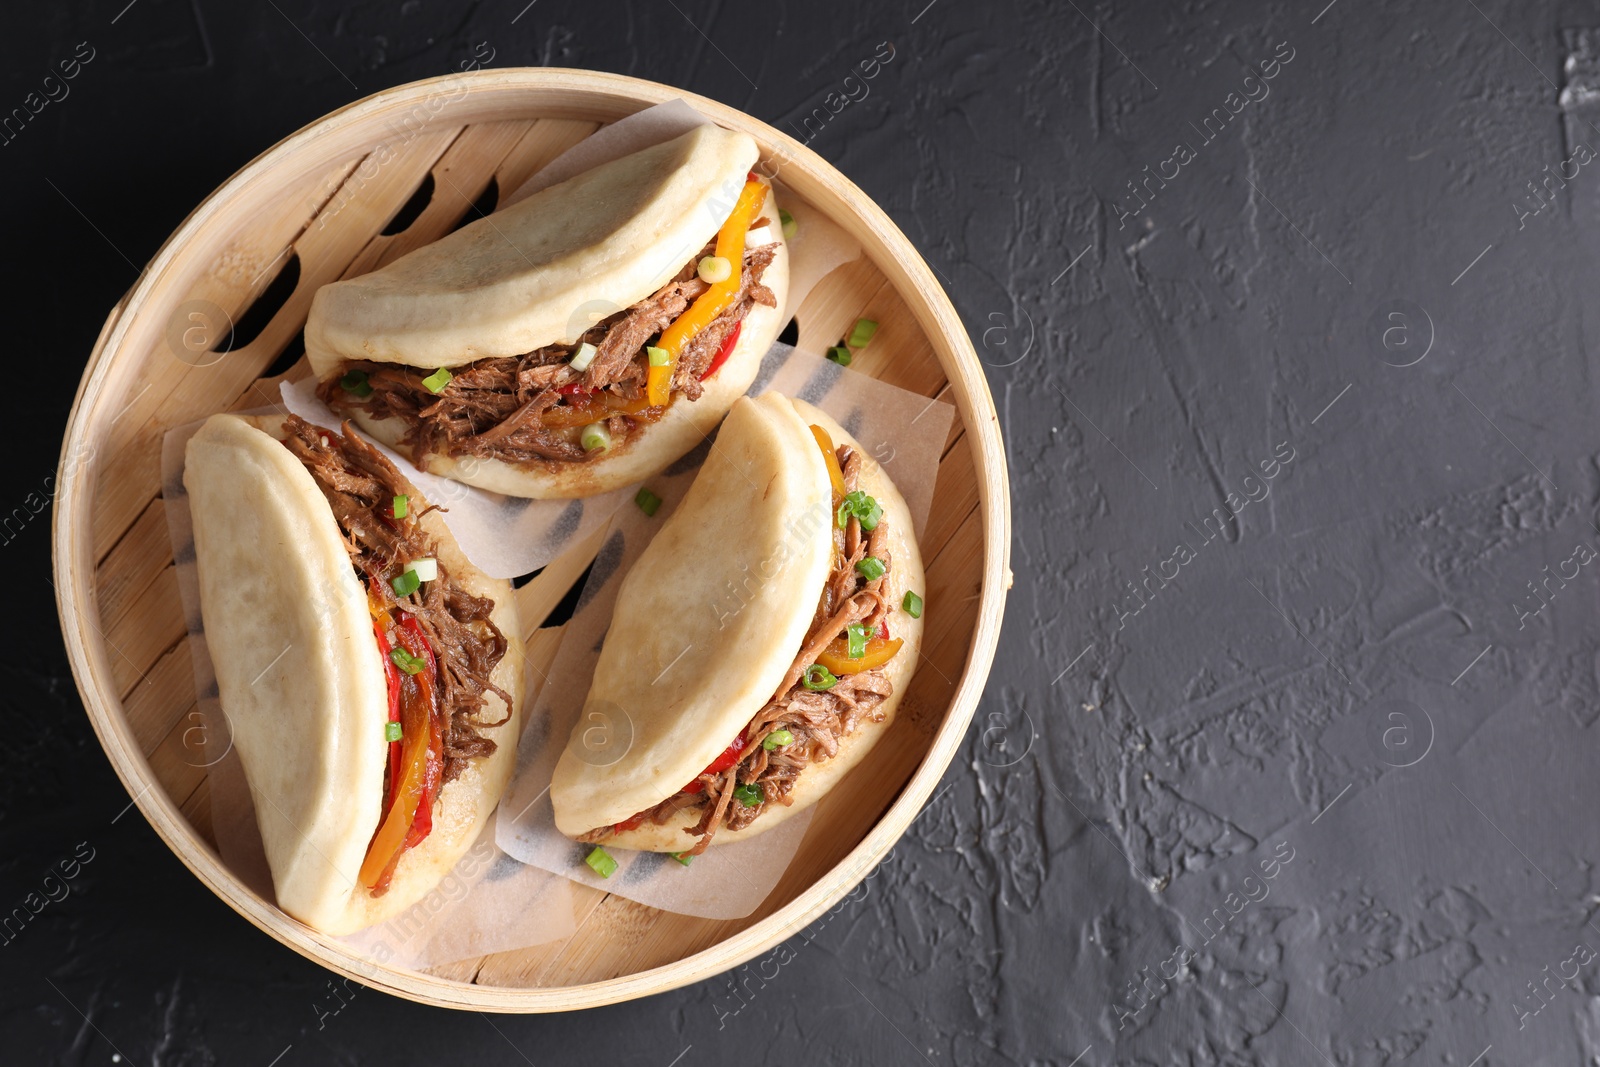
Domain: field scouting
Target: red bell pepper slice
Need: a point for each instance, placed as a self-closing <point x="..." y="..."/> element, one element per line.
<point x="409" y="817"/>
<point x="725" y="351"/>
<point x="417" y="644"/>
<point x="729" y="757"/>
<point x="629" y="824"/>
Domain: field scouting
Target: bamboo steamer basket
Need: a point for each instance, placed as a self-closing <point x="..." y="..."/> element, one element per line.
<point x="346" y="195"/>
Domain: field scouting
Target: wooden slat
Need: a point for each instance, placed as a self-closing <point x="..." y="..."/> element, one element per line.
<point x="139" y="638"/>
<point x="163" y="694"/>
<point x="459" y="177"/>
<point x="547" y="139"/>
<point x="178" y="759"/>
<point x="197" y="810"/>
<point x="136" y="560"/>
<point x="954" y="500"/>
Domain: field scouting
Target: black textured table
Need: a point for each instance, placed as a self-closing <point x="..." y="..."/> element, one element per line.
<point x="1287" y="756"/>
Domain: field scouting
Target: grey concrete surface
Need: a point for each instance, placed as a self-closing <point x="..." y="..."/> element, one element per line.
<point x="1288" y="753"/>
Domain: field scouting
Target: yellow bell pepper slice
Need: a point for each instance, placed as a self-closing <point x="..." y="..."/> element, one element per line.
<point x="715" y="300"/>
<point x="835" y="475"/>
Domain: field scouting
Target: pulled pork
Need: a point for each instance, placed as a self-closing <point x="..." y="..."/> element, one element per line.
<point x="358" y="481"/>
<point x="496" y="408"/>
<point x="817" y="720"/>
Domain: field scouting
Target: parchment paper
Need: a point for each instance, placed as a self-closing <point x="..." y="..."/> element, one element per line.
<point x="509" y="536"/>
<point x="901" y="430"/>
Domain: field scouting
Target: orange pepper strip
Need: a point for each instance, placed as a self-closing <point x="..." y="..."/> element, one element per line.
<point x="627" y="407"/>
<point x="715" y="300"/>
<point x="836" y="657"/>
<point x="835" y="475"/>
<point x="593" y="409"/>
<point x="391" y="835"/>
<point x="583" y="414"/>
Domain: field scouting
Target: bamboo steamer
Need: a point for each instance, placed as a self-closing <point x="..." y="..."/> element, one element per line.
<point x="348" y="194"/>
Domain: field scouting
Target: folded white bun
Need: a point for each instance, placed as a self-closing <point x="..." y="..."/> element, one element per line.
<point x="301" y="679"/>
<point x="685" y="671"/>
<point x="542" y="272"/>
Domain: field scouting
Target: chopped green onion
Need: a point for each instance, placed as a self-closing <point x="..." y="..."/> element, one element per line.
<point x="861" y="333"/>
<point x="911" y="604"/>
<point x="855" y="636"/>
<point x="863" y="507"/>
<point x="871" y="568"/>
<point x="714" y="269"/>
<point x="750" y="795"/>
<point x="682" y="857"/>
<point x="425" y="569"/>
<point x="406" y="661"/>
<point x="391" y="731"/>
<point x="595" y="437"/>
<point x="840" y="355"/>
<point x="648" y="502"/>
<point x="582" y="357"/>
<point x="399" y="508"/>
<point x="406" y="584"/>
<point x="789" y="225"/>
<point x="777" y="739"/>
<point x="658" y="356"/>
<point x="601" y="863"/>
<point x="817" y="678"/>
<point x="437" y="380"/>
<point x="356" y="382"/>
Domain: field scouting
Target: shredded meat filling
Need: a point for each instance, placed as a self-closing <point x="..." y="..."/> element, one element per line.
<point x="357" y="481"/>
<point x="511" y="408"/>
<point x="817" y="720"/>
